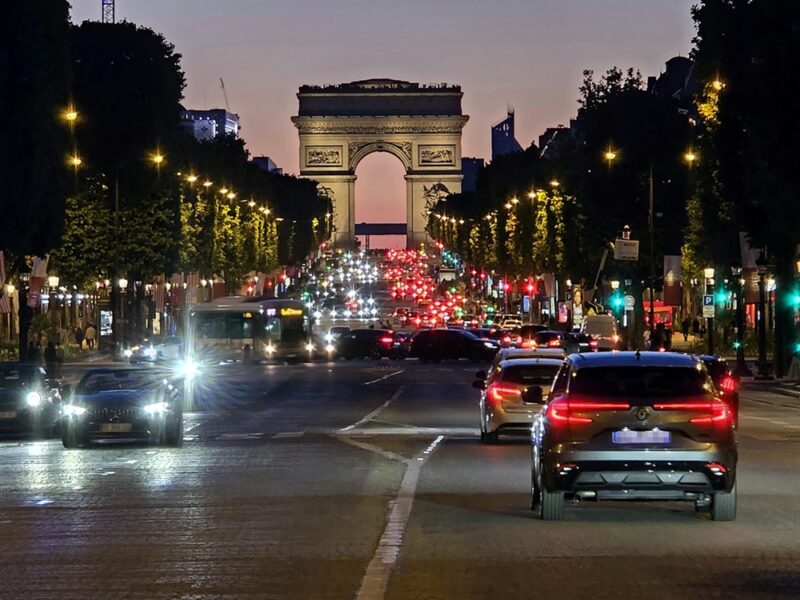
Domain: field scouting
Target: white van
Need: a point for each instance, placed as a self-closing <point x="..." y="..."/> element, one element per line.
<point x="602" y="328"/>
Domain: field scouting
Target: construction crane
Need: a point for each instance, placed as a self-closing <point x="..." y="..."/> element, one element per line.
<point x="224" y="94"/>
<point x="108" y="11"/>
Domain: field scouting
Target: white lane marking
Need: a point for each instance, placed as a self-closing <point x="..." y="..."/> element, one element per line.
<point x="384" y="378"/>
<point x="240" y="436"/>
<point x="373" y="448"/>
<point x="375" y="412"/>
<point x="288" y="434"/>
<point x="412" y="431"/>
<point x="373" y="585"/>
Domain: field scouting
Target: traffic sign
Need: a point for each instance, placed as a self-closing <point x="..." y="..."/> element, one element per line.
<point x="630" y="302"/>
<point x="708" y="306"/>
<point x="626" y="249"/>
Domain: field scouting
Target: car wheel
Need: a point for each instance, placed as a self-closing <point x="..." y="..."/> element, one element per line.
<point x="490" y="438"/>
<point x="723" y="505"/>
<point x="536" y="492"/>
<point x="375" y="354"/>
<point x="552" y="504"/>
<point x="173" y="434"/>
<point x="74" y="439"/>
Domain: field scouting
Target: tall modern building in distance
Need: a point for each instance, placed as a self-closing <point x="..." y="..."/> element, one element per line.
<point x="208" y="124"/>
<point x="503" y="140"/>
<point x="267" y="164"/>
<point x="469" y="169"/>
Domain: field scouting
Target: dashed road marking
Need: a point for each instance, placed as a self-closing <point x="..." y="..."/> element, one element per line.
<point x="240" y="436"/>
<point x="376" y="578"/>
<point x="384" y="378"/>
<point x="375" y="412"/>
<point x="288" y="434"/>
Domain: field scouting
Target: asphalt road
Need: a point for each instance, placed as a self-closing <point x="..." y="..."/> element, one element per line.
<point x="367" y="480"/>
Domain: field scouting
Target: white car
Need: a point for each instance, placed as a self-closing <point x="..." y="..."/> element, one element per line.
<point x="514" y="394"/>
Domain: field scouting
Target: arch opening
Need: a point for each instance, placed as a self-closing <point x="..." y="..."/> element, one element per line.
<point x="381" y="197"/>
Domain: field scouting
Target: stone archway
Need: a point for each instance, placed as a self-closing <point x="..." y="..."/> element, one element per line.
<point x="339" y="125"/>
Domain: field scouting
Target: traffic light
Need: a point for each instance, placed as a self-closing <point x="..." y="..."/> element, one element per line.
<point x="794" y="298"/>
<point x="721" y="296"/>
<point x="736" y="345"/>
<point x="617" y="301"/>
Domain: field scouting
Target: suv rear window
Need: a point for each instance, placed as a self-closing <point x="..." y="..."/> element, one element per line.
<point x="530" y="374"/>
<point x="641" y="382"/>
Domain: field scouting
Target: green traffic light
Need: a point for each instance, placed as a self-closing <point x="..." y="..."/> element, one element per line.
<point x="736" y="345"/>
<point x="721" y="296"/>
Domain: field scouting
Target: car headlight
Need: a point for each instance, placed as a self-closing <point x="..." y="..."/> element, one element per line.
<point x="188" y="369"/>
<point x="73" y="410"/>
<point x="33" y="399"/>
<point x="328" y="338"/>
<point x="489" y="345"/>
<point x="150" y="352"/>
<point x="127" y="353"/>
<point x="157" y="408"/>
<point x="330" y="348"/>
<point x="310" y="347"/>
<point x="270" y="348"/>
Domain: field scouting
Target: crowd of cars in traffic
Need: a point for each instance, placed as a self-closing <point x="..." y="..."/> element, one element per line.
<point x="602" y="425"/>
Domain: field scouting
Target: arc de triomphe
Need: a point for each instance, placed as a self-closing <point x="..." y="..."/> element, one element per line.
<point x="421" y="125"/>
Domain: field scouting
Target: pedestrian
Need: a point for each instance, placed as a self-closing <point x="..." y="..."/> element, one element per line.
<point x="59" y="359"/>
<point x="695" y="327"/>
<point x="685" y="325"/>
<point x="50" y="359"/>
<point x="78" y="333"/>
<point x="90" y="336"/>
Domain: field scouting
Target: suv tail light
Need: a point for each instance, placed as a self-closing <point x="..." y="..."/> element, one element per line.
<point x="561" y="411"/>
<point x="498" y="392"/>
<point x="387" y="339"/>
<point x="554" y="343"/>
<point x="529" y="343"/>
<point x="728" y="384"/>
<point x="715" y="412"/>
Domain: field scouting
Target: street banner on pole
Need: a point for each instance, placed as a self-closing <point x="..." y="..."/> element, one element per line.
<point x="38" y="274"/>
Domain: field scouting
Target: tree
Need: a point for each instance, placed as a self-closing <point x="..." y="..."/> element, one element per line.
<point x="748" y="50"/>
<point x="34" y="75"/>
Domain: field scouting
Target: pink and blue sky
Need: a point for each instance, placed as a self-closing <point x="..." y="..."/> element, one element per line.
<point x="528" y="54"/>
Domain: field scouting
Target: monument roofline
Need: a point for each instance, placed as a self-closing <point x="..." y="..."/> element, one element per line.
<point x="378" y="86"/>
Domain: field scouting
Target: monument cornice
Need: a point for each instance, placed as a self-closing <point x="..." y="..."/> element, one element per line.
<point x="379" y="125"/>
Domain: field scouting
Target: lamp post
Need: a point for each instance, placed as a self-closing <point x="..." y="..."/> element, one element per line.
<point x="122" y="284"/>
<point x="708" y="273"/>
<point x="761" y="265"/>
<point x="741" y="366"/>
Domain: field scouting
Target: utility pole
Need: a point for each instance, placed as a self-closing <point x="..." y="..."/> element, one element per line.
<point x="651" y="228"/>
<point x="108" y="11"/>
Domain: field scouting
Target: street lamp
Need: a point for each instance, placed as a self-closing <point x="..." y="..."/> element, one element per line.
<point x="191" y="178"/>
<point x="207" y="184"/>
<point x="741" y="365"/>
<point x="761" y="266"/>
<point x="690" y="157"/>
<point x="610" y="156"/>
<point x="74" y="161"/>
<point x="554" y="183"/>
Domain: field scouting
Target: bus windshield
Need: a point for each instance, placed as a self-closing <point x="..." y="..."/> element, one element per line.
<point x="223" y="326"/>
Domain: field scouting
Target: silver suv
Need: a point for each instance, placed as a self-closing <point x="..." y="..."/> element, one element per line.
<point x="638" y="426"/>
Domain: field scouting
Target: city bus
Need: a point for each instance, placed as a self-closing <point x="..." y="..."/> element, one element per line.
<point x="244" y="329"/>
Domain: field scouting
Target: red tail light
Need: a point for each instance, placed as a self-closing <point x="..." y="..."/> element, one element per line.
<point x="592" y="343"/>
<point x="561" y="411"/>
<point x="717" y="412"/>
<point x="528" y="344"/>
<point x="386" y="340"/>
<point x="498" y="392"/>
<point x="554" y="343"/>
<point x="507" y="339"/>
<point x="728" y="384"/>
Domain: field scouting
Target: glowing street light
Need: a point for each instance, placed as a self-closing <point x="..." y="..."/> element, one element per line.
<point x="690" y="157"/>
<point x="223" y="190"/>
<point x="231" y="195"/>
<point x="718" y="84"/>
<point x="74" y="161"/>
<point x="554" y="183"/>
<point x="207" y="184"/>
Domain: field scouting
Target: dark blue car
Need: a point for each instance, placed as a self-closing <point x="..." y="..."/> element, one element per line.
<point x="110" y="404"/>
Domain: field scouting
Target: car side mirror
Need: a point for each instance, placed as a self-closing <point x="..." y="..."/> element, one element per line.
<point x="479" y="384"/>
<point x="533" y="395"/>
<point x="480" y="374"/>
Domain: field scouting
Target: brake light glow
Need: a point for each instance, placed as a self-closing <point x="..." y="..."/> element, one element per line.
<point x="554" y="343"/>
<point x="728" y="384"/>
<point x="561" y="411"/>
<point x="386" y="339"/>
<point x="717" y="412"/>
<point x="498" y="392"/>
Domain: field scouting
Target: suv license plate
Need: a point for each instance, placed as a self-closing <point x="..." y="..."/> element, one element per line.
<point x="653" y="436"/>
<point x="115" y="427"/>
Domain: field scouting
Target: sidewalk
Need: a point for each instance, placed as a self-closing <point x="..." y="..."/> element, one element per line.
<point x="783" y="387"/>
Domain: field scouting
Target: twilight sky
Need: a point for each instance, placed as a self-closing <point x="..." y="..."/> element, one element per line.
<point x="528" y="54"/>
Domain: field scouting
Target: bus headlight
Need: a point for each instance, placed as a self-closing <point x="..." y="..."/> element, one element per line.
<point x="157" y="408"/>
<point x="73" y="410"/>
<point x="270" y="349"/>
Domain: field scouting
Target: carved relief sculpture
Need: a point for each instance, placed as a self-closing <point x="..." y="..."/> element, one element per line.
<point x="436" y="155"/>
<point x="328" y="156"/>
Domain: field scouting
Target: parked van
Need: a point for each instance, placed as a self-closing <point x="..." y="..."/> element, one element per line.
<point x="602" y="328"/>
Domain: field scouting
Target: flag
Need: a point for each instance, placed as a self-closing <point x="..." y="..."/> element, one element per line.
<point x="37" y="280"/>
<point x="5" y="303"/>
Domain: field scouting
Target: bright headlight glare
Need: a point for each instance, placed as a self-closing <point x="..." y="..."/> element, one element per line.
<point x="310" y="347"/>
<point x="33" y="399"/>
<point x="73" y="410"/>
<point x="127" y="353"/>
<point x="330" y="348"/>
<point x="156" y="408"/>
<point x="270" y="348"/>
<point x="150" y="352"/>
<point x="328" y="337"/>
<point x="189" y="369"/>
<point x="488" y="344"/>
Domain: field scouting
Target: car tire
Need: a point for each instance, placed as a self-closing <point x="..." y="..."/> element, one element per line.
<point x="536" y="493"/>
<point x="72" y="439"/>
<point x="375" y="354"/>
<point x="490" y="438"/>
<point x="173" y="433"/>
<point x="551" y="505"/>
<point x="723" y="505"/>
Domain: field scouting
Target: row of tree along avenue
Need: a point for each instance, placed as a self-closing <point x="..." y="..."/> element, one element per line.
<point x="99" y="177"/>
<point x="697" y="164"/>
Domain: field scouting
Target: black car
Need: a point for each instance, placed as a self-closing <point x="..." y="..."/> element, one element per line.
<point x="634" y="426"/>
<point x="29" y="401"/>
<point x="726" y="382"/>
<point x="525" y="334"/>
<point x="123" y="403"/>
<point x="434" y="345"/>
<point x="570" y="342"/>
<point x="369" y="343"/>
